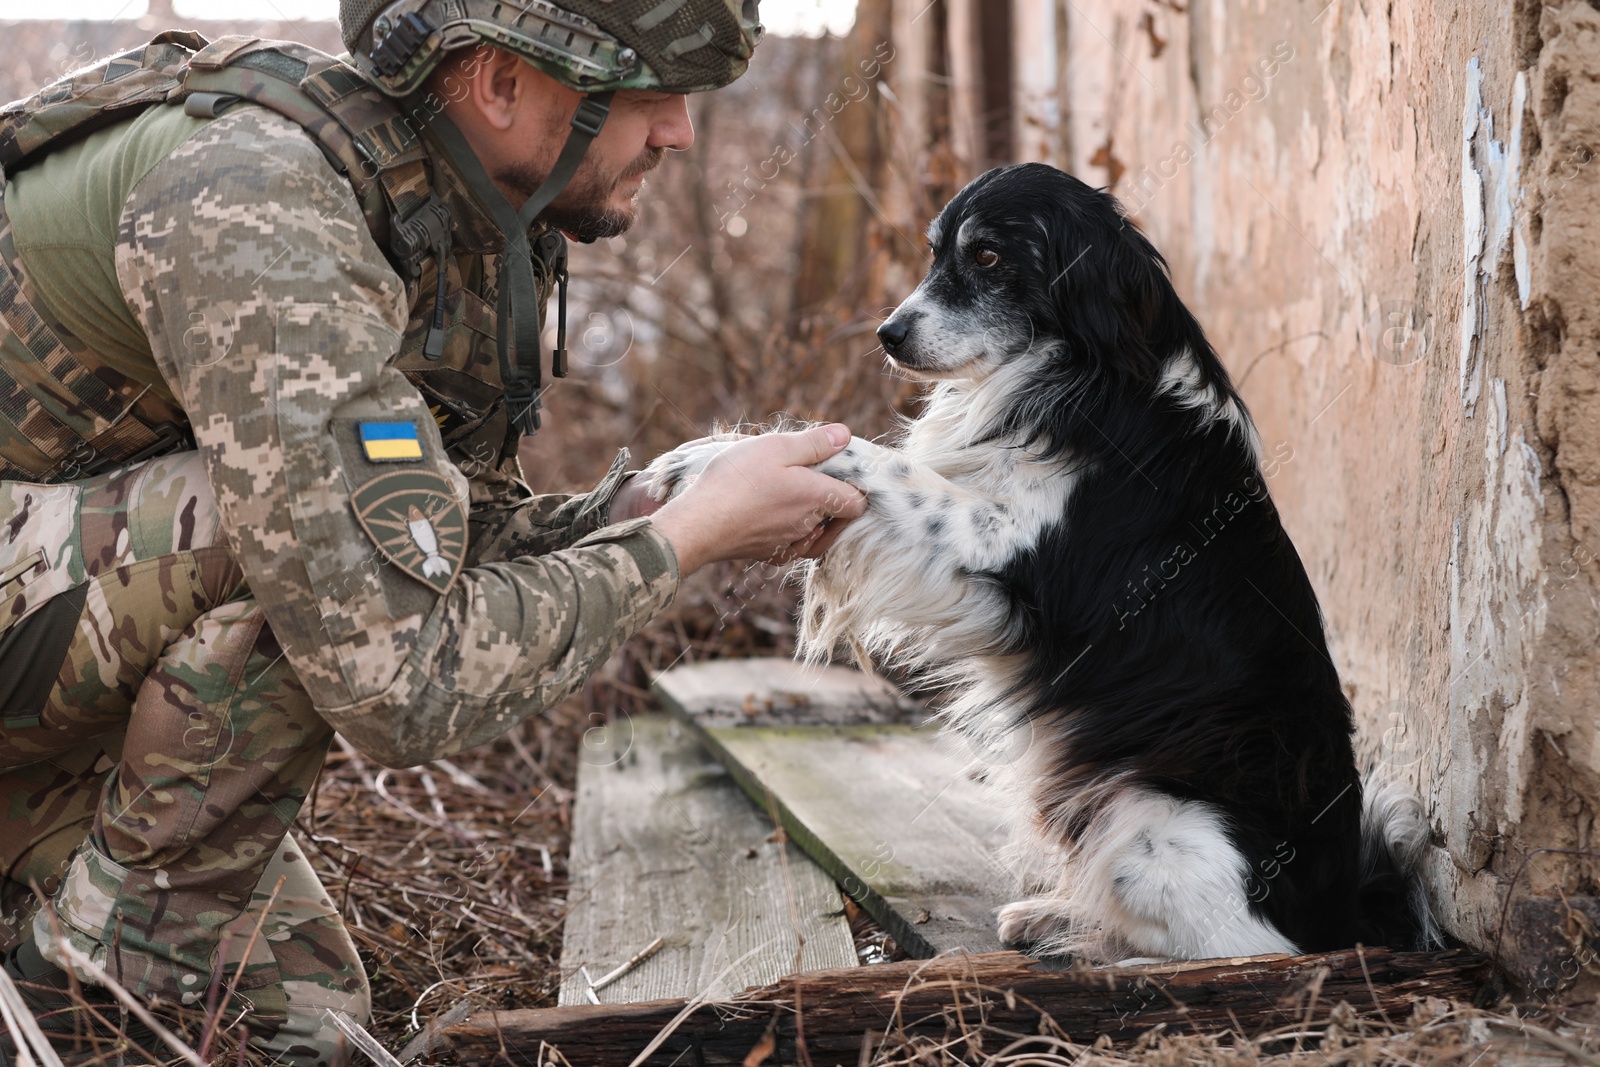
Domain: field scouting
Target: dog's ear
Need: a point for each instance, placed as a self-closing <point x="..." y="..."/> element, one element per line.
<point x="1146" y="298"/>
<point x="1111" y="297"/>
<point x="1164" y="323"/>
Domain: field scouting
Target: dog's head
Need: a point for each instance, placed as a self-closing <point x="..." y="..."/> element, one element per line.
<point x="1029" y="262"/>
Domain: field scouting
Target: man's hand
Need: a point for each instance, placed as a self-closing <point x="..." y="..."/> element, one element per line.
<point x="760" y="500"/>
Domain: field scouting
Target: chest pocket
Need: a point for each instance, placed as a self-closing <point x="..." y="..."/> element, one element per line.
<point x="463" y="386"/>
<point x="469" y="333"/>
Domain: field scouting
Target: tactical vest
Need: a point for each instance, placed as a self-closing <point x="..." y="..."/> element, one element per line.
<point x="85" y="417"/>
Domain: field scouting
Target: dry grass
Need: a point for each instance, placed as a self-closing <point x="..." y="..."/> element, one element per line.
<point x="1438" y="1033"/>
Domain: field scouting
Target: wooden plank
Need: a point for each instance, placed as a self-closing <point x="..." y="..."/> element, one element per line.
<point x="888" y="809"/>
<point x="781" y="692"/>
<point x="665" y="845"/>
<point x="1005" y="990"/>
<point x="892" y="817"/>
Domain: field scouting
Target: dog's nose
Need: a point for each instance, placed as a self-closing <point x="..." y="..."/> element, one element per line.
<point x="893" y="334"/>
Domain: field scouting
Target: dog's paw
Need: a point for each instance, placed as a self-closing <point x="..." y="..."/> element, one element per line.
<point x="669" y="474"/>
<point x="1039" y="924"/>
<point x="666" y="476"/>
<point x="856" y="463"/>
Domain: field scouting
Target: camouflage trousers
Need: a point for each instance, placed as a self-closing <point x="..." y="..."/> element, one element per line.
<point x="155" y="748"/>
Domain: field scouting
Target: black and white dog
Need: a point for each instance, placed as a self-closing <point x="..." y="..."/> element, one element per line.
<point x="1076" y="537"/>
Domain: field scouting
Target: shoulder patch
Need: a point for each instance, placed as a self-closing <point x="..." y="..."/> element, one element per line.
<point x="417" y="523"/>
<point x="390" y="442"/>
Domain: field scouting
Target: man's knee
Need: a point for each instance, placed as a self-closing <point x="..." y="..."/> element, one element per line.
<point x="98" y="577"/>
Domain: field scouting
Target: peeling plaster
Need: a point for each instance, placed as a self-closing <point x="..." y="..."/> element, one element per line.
<point x="1519" y="233"/>
<point x="1499" y="390"/>
<point x="1471" y="234"/>
<point x="1491" y="192"/>
<point x="1497" y="197"/>
<point x="1498" y="612"/>
<point x="1518" y="521"/>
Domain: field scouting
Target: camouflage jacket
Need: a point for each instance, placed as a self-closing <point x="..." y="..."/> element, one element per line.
<point x="426" y="600"/>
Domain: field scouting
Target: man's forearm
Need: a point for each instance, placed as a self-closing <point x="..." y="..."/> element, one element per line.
<point x="509" y="641"/>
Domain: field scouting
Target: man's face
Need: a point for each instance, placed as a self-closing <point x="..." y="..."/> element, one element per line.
<point x="601" y="199"/>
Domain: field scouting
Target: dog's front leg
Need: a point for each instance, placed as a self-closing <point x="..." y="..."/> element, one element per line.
<point x="919" y="561"/>
<point x="963" y="529"/>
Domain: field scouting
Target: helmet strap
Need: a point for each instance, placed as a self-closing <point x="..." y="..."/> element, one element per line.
<point x="518" y="305"/>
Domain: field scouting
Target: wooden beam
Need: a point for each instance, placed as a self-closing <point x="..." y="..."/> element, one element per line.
<point x="941" y="997"/>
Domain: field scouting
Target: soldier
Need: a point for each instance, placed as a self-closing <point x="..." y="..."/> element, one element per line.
<point x="270" y="336"/>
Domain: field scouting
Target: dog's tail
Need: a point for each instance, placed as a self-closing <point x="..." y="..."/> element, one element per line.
<point x="1393" y="906"/>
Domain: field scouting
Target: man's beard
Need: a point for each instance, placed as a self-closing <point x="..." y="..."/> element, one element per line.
<point x="583" y="209"/>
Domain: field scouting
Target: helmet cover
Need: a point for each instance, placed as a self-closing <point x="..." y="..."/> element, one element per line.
<point x="678" y="46"/>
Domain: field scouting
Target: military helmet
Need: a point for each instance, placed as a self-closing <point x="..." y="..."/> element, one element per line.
<point x="678" y="46"/>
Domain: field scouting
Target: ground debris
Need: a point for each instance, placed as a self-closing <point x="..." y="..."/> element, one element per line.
<point x="997" y="1008"/>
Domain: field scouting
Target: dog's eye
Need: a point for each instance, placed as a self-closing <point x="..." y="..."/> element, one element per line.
<point x="986" y="257"/>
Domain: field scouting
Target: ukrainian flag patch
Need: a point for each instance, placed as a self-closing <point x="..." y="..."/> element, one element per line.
<point x="388" y="442"/>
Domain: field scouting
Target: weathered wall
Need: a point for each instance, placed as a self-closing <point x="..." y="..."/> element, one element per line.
<point x="1386" y="216"/>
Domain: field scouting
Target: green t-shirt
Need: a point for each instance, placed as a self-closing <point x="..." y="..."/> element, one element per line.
<point x="64" y="213"/>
